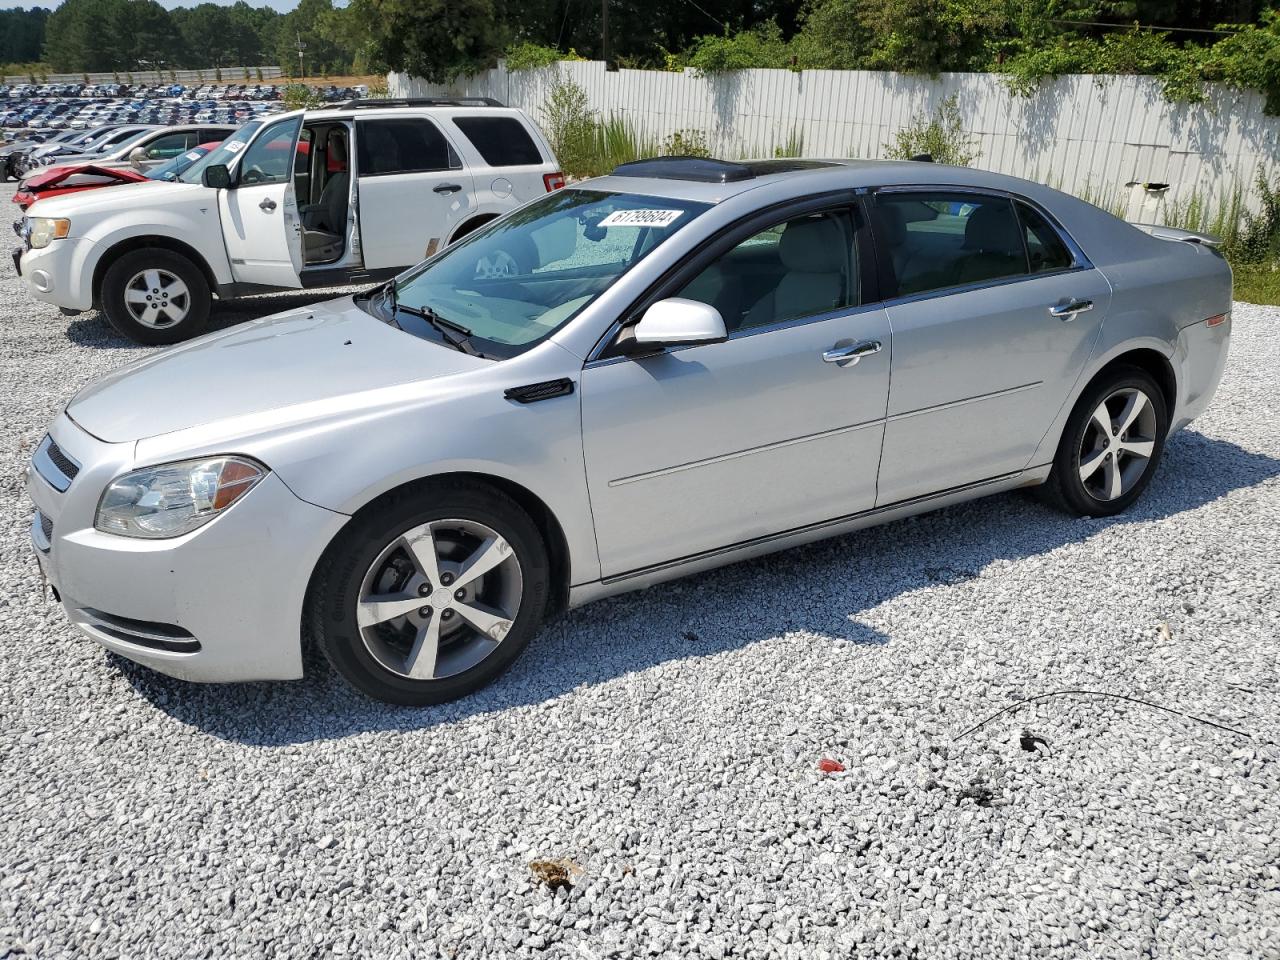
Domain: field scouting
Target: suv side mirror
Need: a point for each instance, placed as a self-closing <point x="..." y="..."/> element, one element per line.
<point x="676" y="322"/>
<point x="136" y="156"/>
<point x="217" y="176"/>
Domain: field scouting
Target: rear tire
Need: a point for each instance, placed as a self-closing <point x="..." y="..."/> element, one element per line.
<point x="155" y="296"/>
<point x="431" y="594"/>
<point x="1110" y="447"/>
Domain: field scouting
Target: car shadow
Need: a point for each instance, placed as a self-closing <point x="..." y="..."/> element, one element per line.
<point x="718" y="611"/>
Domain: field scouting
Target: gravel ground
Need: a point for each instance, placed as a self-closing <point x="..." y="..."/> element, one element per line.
<point x="666" y="744"/>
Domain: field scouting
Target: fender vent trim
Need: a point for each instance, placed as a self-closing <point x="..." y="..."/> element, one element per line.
<point x="546" y="390"/>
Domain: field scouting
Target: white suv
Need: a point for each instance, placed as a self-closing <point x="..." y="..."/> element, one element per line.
<point x="314" y="198"/>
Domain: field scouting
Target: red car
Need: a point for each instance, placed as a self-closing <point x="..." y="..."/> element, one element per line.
<point x="61" y="180"/>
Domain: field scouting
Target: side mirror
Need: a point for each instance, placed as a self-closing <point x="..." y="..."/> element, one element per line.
<point x="676" y="322"/>
<point x="217" y="176"/>
<point x="136" y="156"/>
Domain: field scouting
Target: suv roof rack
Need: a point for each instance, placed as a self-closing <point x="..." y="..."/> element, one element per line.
<point x="418" y="102"/>
<point x="701" y="169"/>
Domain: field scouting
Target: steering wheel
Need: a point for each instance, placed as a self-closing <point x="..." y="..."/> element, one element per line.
<point x="252" y="175"/>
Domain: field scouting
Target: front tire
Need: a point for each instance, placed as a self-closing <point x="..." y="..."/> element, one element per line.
<point x="431" y="594"/>
<point x="155" y="296"/>
<point x="1111" y="445"/>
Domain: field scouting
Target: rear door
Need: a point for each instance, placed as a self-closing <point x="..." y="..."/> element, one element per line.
<point x="259" y="212"/>
<point x="984" y="351"/>
<point x="412" y="190"/>
<point x="513" y="166"/>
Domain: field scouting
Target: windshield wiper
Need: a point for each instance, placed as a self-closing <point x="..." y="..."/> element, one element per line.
<point x="454" y="334"/>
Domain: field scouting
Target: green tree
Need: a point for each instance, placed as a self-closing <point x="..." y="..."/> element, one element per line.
<point x="438" y="40"/>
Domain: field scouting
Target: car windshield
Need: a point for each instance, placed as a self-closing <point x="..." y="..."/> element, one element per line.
<point x="514" y="283"/>
<point x="170" y="169"/>
<point x="224" y="154"/>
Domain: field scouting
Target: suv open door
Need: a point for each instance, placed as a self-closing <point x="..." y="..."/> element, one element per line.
<point x="259" y="210"/>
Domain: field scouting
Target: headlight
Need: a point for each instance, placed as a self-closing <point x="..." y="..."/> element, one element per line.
<point x="175" y="498"/>
<point x="42" y="231"/>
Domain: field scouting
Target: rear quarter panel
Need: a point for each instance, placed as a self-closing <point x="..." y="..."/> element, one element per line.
<point x="1160" y="288"/>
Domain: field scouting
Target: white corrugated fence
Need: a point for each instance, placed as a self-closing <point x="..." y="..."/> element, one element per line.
<point x="1093" y="136"/>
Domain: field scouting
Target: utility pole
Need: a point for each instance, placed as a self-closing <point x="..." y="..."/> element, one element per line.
<point x="604" y="31"/>
<point x="301" y="46"/>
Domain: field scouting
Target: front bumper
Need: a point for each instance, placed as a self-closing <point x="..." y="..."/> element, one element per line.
<point x="59" y="274"/>
<point x="222" y="603"/>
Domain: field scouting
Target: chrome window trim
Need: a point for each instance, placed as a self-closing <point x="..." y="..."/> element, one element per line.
<point x="740" y="334"/>
<point x="980" y="285"/>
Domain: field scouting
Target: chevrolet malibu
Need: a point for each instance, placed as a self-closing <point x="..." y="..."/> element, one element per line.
<point x="677" y="366"/>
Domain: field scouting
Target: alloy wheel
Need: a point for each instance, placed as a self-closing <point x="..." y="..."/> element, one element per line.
<point x="1118" y="443"/>
<point x="157" y="298"/>
<point x="439" y="599"/>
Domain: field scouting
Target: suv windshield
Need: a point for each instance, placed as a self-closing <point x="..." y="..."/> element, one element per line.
<point x="224" y="154"/>
<point x="512" y="284"/>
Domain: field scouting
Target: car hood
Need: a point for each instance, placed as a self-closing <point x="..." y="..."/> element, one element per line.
<point x="318" y="353"/>
<point x="123" y="197"/>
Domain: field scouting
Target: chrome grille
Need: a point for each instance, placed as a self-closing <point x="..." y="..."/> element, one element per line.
<point x="60" y="460"/>
<point x="57" y="469"/>
<point x="42" y="532"/>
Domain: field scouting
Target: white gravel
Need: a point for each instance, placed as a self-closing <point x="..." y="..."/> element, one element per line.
<point x="667" y="744"/>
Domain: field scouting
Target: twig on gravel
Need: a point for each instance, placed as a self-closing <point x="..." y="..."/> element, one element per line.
<point x="1101" y="693"/>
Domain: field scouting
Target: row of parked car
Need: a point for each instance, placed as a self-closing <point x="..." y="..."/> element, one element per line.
<point x="216" y="91"/>
<point x="79" y="114"/>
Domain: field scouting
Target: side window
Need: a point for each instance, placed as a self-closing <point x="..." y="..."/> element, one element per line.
<point x="798" y="268"/>
<point x="1045" y="248"/>
<point x="930" y="241"/>
<point x="169" y="146"/>
<point x="268" y="158"/>
<point x="410" y="145"/>
<point x="501" y="141"/>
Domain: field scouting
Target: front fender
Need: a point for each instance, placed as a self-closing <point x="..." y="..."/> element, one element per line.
<point x="199" y="230"/>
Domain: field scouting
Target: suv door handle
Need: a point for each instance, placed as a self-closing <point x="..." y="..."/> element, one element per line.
<point x="267" y="204"/>
<point x="851" y="354"/>
<point x="1068" y="310"/>
<point x="448" y="188"/>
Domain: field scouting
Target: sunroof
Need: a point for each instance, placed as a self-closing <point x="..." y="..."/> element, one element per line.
<point x="702" y="169"/>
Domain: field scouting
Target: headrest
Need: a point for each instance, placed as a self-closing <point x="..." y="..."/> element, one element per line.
<point x="813" y="246"/>
<point x="336" y="147"/>
<point x="993" y="228"/>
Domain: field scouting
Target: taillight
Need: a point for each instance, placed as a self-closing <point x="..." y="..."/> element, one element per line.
<point x="553" y="181"/>
<point x="1217" y="319"/>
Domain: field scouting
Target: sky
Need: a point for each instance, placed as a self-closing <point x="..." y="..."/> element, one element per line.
<point x="282" y="5"/>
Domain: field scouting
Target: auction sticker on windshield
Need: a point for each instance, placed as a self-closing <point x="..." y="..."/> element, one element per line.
<point x="641" y="218"/>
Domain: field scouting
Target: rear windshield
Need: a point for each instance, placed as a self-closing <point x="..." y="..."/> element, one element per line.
<point x="502" y="141"/>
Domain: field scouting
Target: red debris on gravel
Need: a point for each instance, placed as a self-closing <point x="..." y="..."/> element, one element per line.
<point x="827" y="765"/>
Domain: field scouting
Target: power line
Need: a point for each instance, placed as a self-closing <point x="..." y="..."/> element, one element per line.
<point x="1136" y="26"/>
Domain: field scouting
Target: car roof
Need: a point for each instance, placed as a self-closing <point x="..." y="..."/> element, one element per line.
<point x="804" y="177"/>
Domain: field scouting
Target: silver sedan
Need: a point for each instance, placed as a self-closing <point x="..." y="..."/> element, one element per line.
<point x="677" y="366"/>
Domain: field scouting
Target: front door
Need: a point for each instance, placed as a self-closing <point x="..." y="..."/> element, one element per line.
<point x="412" y="190"/>
<point x="708" y="446"/>
<point x="985" y="347"/>
<point x="259" y="212"/>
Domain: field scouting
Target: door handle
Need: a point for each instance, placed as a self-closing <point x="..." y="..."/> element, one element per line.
<point x="448" y="188"/>
<point x="267" y="204"/>
<point x="1067" y="310"/>
<point x="851" y="354"/>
